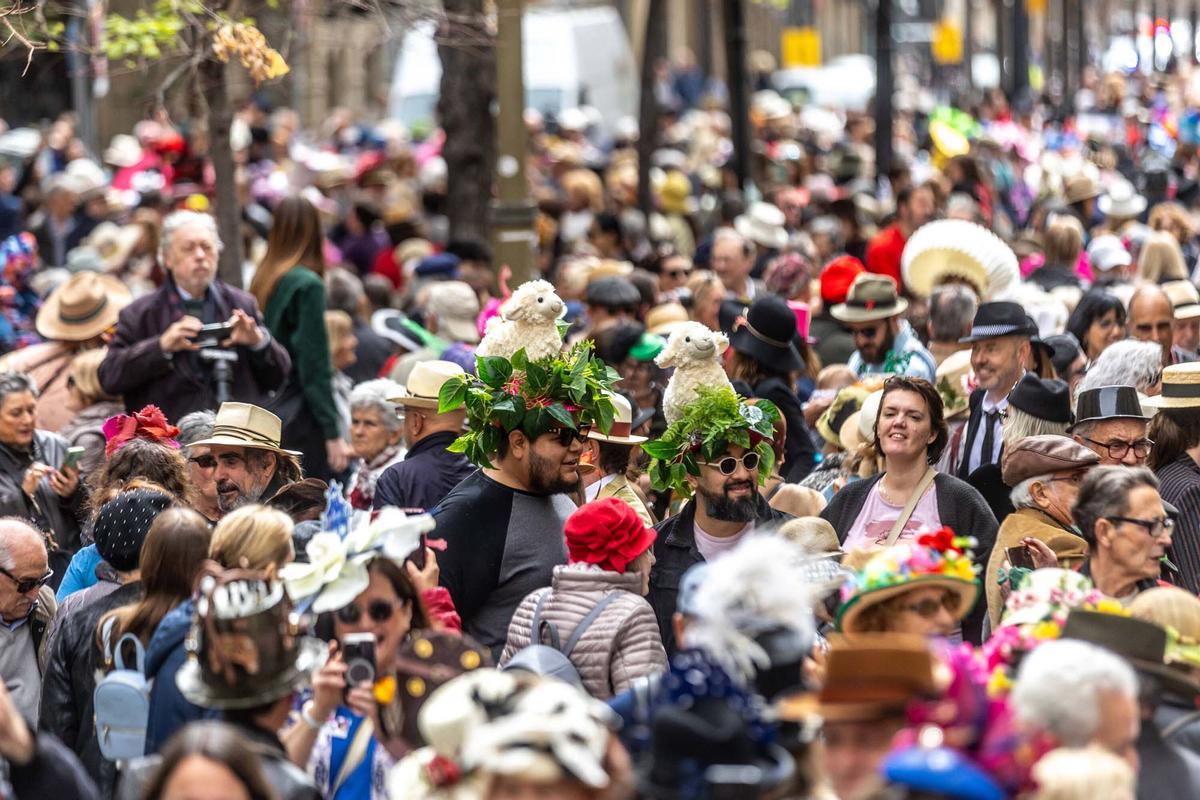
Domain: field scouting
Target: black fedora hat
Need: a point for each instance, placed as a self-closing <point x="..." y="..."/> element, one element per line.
<point x="1000" y="318"/>
<point x="1048" y="399"/>
<point x="1143" y="644"/>
<point x="1108" y="402"/>
<point x="767" y="335"/>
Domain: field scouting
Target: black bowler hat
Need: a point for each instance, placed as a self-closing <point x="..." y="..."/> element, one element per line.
<point x="767" y="334"/>
<point x="612" y="292"/>
<point x="1048" y="399"/>
<point x="1108" y="402"/>
<point x="1000" y="318"/>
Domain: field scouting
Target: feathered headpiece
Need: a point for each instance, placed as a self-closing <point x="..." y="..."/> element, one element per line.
<point x="150" y="423"/>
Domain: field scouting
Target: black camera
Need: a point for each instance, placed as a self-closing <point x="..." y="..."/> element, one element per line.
<point x="213" y="334"/>
<point x="358" y="651"/>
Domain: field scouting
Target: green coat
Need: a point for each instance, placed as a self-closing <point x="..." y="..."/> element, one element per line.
<point x="295" y="315"/>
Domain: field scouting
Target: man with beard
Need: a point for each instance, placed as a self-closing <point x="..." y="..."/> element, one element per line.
<point x="503" y="524"/>
<point x="726" y="504"/>
<point x="250" y="464"/>
<point x="884" y="341"/>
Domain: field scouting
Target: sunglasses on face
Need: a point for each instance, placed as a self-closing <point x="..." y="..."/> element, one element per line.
<point x="929" y="607"/>
<point x="678" y="273"/>
<point x="204" y="462"/>
<point x="380" y="611"/>
<point x="729" y="464"/>
<point x="865" y="333"/>
<point x="27" y="585"/>
<point x="565" y="436"/>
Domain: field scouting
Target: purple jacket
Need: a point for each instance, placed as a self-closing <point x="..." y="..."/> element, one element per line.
<point x="137" y="368"/>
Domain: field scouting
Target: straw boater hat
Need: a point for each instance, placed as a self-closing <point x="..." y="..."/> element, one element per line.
<point x="622" y="426"/>
<point x="424" y="383"/>
<point x="871" y="297"/>
<point x="82" y="307"/>
<point x="954" y="249"/>
<point x="1185" y="300"/>
<point x="1180" y="386"/>
<point x="953" y="382"/>
<point x="246" y="425"/>
<point x="666" y="318"/>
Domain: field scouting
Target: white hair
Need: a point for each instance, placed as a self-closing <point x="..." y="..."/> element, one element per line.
<point x="12" y="530"/>
<point x="1022" y="494"/>
<point x="1021" y="424"/>
<point x="181" y="219"/>
<point x="1059" y="684"/>
<point x="1128" y="362"/>
<point x="729" y="234"/>
<point x="374" y="394"/>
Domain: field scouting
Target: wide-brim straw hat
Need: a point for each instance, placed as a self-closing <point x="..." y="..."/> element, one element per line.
<point x="954" y="249"/>
<point x="666" y="318"/>
<point x="114" y="243"/>
<point x="246" y="425"/>
<point x="622" y="427"/>
<point x="83" y="307"/>
<point x="1180" y="386"/>
<point x="852" y="609"/>
<point x="955" y="370"/>
<point x="1185" y="299"/>
<point x="425" y="382"/>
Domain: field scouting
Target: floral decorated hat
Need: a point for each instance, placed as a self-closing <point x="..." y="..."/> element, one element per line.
<point x="531" y="395"/>
<point x="716" y="419"/>
<point x="934" y="559"/>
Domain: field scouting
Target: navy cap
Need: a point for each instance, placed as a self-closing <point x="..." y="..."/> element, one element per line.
<point x="438" y="265"/>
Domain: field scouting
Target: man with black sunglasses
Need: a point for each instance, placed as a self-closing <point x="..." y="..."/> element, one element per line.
<point x="202" y="464"/>
<point x="26" y="608"/>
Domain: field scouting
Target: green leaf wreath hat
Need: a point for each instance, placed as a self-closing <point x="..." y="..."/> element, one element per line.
<point x="566" y="390"/>
<point x="716" y="419"/>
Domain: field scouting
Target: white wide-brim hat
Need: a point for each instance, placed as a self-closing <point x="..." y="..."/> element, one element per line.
<point x="955" y="248"/>
<point x="425" y="382"/>
<point x="763" y="224"/>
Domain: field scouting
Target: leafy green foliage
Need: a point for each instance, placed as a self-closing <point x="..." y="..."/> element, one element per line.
<point x="711" y="423"/>
<point x="530" y="396"/>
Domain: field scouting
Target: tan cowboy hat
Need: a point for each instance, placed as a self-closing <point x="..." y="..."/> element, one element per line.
<point x="871" y="297"/>
<point x="83" y="306"/>
<point x="665" y="319"/>
<point x="246" y="425"/>
<point x="622" y="426"/>
<point x="424" y="383"/>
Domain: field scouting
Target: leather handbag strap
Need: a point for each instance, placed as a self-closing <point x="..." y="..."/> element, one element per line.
<point x="910" y="506"/>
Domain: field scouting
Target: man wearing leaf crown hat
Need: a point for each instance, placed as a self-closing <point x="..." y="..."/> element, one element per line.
<point x="527" y="425"/>
<point x="720" y="451"/>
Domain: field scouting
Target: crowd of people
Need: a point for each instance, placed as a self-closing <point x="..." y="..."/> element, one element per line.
<point x="854" y="485"/>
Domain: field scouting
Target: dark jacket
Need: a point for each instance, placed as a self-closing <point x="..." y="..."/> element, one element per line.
<point x="834" y="344"/>
<point x="960" y="507"/>
<point x="169" y="711"/>
<point x="1053" y="276"/>
<point x="70" y="679"/>
<point x="295" y="313"/>
<point x="799" y="453"/>
<point x="54" y="772"/>
<point x="137" y="369"/>
<point x="46" y="510"/>
<point x="289" y="781"/>
<point x="1166" y="770"/>
<point x="426" y="475"/>
<point x="675" y="550"/>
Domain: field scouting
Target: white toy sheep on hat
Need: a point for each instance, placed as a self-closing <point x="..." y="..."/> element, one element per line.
<point x="528" y="319"/>
<point x="695" y="353"/>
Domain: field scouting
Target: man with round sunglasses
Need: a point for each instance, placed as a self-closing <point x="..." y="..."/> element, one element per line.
<point x="723" y="479"/>
<point x="26" y="608"/>
<point x="202" y="464"/>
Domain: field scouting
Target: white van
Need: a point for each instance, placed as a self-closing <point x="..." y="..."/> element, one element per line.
<point x="573" y="57"/>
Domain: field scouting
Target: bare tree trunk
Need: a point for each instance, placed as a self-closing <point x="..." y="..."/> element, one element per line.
<point x="466" y="47"/>
<point x="653" y="49"/>
<point x="229" y="214"/>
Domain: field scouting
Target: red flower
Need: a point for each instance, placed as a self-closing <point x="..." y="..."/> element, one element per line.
<point x="149" y="423"/>
<point x="941" y="541"/>
<point x="513" y="385"/>
<point x="441" y="772"/>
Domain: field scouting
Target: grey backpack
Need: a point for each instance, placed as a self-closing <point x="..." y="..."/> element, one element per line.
<point x="554" y="660"/>
<point x="121" y="701"/>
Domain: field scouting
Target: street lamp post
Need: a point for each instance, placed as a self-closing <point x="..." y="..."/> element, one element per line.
<point x="884" y="88"/>
<point x="735" y="59"/>
<point x="513" y="239"/>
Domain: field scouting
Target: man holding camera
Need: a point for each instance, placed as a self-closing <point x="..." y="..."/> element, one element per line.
<point x="160" y="353"/>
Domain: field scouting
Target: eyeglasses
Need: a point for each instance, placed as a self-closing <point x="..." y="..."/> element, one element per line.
<point x="865" y="333"/>
<point x="204" y="462"/>
<point x="1075" y="478"/>
<point x="379" y="611"/>
<point x="27" y="585"/>
<point x="929" y="607"/>
<point x="568" y="435"/>
<point x="1117" y="448"/>
<point x="1154" y="527"/>
<point x="729" y="464"/>
<point x="678" y="273"/>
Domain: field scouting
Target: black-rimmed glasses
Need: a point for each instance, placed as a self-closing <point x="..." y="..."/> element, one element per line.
<point x="1118" y="449"/>
<point x="1154" y="527"/>
<point x="27" y="585"/>
<point x="567" y="435"/>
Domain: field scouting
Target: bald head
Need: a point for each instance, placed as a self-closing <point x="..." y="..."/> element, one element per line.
<point x="24" y="561"/>
<point x="1151" y="318"/>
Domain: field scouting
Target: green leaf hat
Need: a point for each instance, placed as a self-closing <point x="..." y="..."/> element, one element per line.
<point x="716" y="419"/>
<point x="533" y="396"/>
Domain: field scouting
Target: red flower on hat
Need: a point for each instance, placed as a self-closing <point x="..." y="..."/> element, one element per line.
<point x="607" y="532"/>
<point x="443" y="772"/>
<point x="941" y="541"/>
<point x="149" y="423"/>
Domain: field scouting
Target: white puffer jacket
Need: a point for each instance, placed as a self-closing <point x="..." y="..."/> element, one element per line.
<point x="621" y="645"/>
